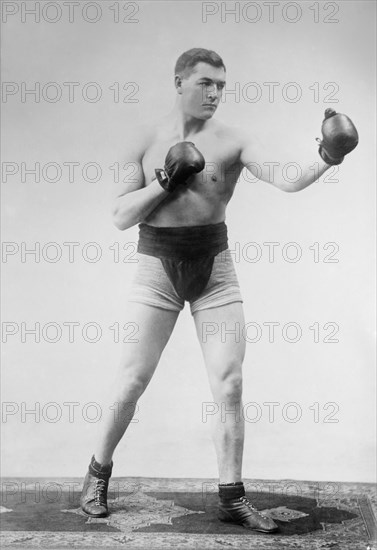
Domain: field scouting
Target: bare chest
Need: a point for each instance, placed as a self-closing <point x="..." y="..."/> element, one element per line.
<point x="222" y="166"/>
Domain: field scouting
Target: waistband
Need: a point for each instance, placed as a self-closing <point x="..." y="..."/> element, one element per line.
<point x="183" y="242"/>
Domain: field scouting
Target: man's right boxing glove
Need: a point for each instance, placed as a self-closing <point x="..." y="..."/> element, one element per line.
<point x="340" y="137"/>
<point x="182" y="161"/>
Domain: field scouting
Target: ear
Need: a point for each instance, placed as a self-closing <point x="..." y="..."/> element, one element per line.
<point x="178" y="83"/>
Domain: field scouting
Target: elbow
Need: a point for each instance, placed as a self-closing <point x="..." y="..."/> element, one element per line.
<point x="119" y="225"/>
<point x="120" y="222"/>
<point x="289" y="187"/>
<point x="124" y="220"/>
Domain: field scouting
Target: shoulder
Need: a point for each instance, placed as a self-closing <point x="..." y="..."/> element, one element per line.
<point x="141" y="135"/>
<point x="136" y="141"/>
<point x="146" y="134"/>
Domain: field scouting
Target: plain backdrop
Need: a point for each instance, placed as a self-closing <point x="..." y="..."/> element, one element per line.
<point x="327" y="59"/>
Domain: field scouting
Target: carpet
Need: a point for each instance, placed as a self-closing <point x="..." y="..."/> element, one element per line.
<point x="182" y="513"/>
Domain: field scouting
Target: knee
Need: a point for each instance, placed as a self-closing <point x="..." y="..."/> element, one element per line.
<point x="232" y="389"/>
<point x="132" y="382"/>
<point x="228" y="388"/>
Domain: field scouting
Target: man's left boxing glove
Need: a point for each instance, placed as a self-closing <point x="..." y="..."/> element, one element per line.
<point x="182" y="161"/>
<point x="340" y="137"/>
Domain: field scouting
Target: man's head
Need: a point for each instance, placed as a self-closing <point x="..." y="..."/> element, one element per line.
<point x="200" y="79"/>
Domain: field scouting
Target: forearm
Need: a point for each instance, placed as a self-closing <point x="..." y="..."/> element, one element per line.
<point x="307" y="175"/>
<point x="134" y="207"/>
<point x="339" y="137"/>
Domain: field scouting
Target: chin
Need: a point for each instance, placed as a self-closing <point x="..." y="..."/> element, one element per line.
<point x="206" y="116"/>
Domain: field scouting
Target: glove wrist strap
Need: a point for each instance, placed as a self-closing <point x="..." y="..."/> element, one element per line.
<point x="326" y="157"/>
<point x="163" y="180"/>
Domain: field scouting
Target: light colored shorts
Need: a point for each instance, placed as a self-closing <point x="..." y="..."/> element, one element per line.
<point x="153" y="287"/>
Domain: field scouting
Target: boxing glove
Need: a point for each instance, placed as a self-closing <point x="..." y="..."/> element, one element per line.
<point x="182" y="161"/>
<point x="339" y="135"/>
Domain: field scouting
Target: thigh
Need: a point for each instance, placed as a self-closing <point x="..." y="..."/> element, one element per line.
<point x="222" y="288"/>
<point x="219" y="331"/>
<point x="148" y="330"/>
<point x="152" y="286"/>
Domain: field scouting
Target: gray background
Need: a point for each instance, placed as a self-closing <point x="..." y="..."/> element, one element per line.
<point x="170" y="438"/>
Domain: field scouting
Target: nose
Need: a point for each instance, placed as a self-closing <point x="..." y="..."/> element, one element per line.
<point x="213" y="92"/>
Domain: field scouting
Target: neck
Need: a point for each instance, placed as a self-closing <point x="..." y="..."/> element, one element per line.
<point x="184" y="124"/>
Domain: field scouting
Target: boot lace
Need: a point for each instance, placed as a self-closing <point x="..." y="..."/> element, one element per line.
<point x="247" y="503"/>
<point x="100" y="492"/>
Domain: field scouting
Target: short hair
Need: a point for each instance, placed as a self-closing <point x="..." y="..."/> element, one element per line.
<point x="190" y="58"/>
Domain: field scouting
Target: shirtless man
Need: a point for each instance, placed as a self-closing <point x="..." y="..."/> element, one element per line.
<point x="180" y="205"/>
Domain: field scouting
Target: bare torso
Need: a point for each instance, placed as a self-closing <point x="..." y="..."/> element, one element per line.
<point x="203" y="199"/>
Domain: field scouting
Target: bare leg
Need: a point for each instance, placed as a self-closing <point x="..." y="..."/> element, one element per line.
<point x="138" y="363"/>
<point x="223" y="354"/>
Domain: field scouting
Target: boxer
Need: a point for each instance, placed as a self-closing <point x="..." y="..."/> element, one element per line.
<point x="188" y="165"/>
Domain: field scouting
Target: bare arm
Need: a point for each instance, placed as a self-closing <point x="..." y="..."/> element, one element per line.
<point x="252" y="154"/>
<point x="136" y="203"/>
<point x="135" y="199"/>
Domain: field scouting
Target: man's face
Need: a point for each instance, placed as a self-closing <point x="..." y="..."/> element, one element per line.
<point x="201" y="90"/>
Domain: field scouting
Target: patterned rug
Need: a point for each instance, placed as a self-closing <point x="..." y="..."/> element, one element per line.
<point x="182" y="513"/>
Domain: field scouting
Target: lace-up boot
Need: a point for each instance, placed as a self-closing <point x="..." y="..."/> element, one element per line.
<point x="235" y="507"/>
<point x="93" y="499"/>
